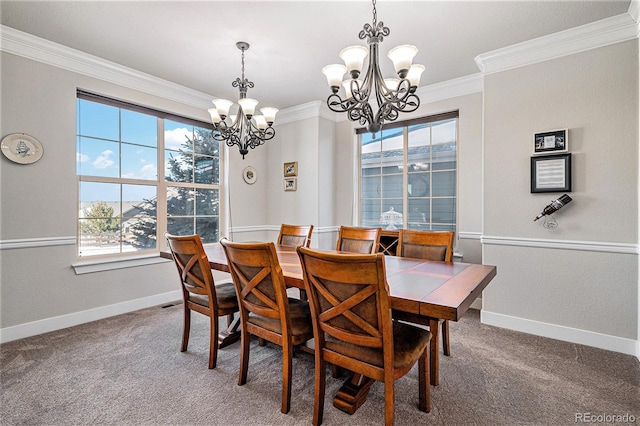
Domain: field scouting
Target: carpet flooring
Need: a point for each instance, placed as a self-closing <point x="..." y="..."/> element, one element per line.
<point x="128" y="370"/>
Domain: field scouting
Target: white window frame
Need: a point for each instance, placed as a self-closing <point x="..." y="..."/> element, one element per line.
<point x="94" y="263"/>
<point x="405" y="199"/>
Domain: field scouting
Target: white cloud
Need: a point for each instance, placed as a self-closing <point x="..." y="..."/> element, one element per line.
<point x="103" y="161"/>
<point x="81" y="158"/>
<point x="147" y="172"/>
<point x="173" y="139"/>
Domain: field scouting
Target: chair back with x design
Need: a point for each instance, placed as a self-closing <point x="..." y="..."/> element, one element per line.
<point x="259" y="279"/>
<point x="265" y="309"/>
<point x="350" y="309"/>
<point x="199" y="292"/>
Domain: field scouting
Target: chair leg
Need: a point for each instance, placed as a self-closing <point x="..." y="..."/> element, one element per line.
<point x="335" y="371"/>
<point x="303" y="295"/>
<point x="186" y="328"/>
<point x="389" y="400"/>
<point x="261" y="341"/>
<point x="424" y="390"/>
<point x="213" y="340"/>
<point x="287" y="355"/>
<point x="319" y="388"/>
<point x="244" y="356"/>
<point x="445" y="338"/>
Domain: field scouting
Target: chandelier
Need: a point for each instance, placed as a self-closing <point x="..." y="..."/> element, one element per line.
<point x="245" y="129"/>
<point x="392" y="95"/>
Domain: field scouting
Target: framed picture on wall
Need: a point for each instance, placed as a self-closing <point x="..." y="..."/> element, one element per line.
<point x="551" y="173"/>
<point x="550" y="142"/>
<point x="291" y="169"/>
<point x="290" y="184"/>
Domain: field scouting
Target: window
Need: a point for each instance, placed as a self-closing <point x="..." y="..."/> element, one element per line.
<point x="408" y="174"/>
<point x="142" y="172"/>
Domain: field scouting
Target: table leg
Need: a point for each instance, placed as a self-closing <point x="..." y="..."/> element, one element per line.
<point x="231" y="334"/>
<point x="353" y="393"/>
<point x="435" y="350"/>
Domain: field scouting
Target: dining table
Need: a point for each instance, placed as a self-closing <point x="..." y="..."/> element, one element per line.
<point x="433" y="290"/>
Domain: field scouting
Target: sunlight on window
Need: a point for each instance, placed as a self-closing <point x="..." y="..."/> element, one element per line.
<point x="117" y="162"/>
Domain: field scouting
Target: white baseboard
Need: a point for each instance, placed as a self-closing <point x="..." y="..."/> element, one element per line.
<point x="21" y="331"/>
<point x="566" y="334"/>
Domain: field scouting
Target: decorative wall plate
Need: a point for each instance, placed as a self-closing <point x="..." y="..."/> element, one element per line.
<point x="21" y="148"/>
<point x="250" y="175"/>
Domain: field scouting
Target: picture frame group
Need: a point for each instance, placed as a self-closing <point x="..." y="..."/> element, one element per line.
<point x="290" y="171"/>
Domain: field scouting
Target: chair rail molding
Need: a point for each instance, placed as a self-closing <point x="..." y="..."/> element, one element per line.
<point x="469" y="235"/>
<point x="276" y="228"/>
<point x="606" y="247"/>
<point x="37" y="242"/>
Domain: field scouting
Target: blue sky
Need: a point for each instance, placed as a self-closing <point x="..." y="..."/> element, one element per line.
<point x="100" y="154"/>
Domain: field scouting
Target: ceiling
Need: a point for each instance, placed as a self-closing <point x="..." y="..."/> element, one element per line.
<point x="192" y="43"/>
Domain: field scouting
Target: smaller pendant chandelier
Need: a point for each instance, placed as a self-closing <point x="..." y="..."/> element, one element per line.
<point x="392" y="95"/>
<point x="245" y="129"/>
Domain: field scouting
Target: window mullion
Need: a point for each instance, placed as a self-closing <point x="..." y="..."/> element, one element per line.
<point x="161" y="194"/>
<point x="405" y="177"/>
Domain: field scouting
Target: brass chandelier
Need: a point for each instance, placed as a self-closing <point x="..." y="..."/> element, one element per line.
<point x="392" y="95"/>
<point x="244" y="129"/>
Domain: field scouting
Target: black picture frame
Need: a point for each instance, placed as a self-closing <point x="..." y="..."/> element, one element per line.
<point x="555" y="141"/>
<point x="551" y="173"/>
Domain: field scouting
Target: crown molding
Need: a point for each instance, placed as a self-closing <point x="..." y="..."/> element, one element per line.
<point x="473" y="83"/>
<point x="601" y="33"/>
<point x="307" y="110"/>
<point x="38" y="49"/>
<point x="634" y="11"/>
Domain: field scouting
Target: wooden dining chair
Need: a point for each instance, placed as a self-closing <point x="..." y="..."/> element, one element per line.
<point x="295" y="235"/>
<point x="358" y="240"/>
<point x="199" y="292"/>
<point x="265" y="309"/>
<point x="427" y="245"/>
<point x="352" y="325"/>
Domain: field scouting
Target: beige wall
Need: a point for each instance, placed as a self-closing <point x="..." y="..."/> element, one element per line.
<point x="40" y="201"/>
<point x="560" y="281"/>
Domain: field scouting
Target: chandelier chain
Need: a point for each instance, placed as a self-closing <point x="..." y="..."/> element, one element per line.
<point x="375" y="14"/>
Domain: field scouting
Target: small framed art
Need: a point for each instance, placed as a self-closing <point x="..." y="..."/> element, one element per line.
<point x="551" y="173"/>
<point x="550" y="142"/>
<point x="290" y="184"/>
<point x="291" y="169"/>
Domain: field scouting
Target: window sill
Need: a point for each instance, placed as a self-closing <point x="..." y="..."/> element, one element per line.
<point x="90" y="266"/>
